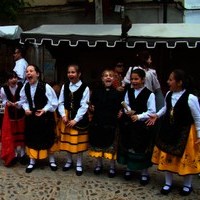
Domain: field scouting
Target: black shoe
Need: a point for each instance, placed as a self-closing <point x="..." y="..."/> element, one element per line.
<point x="112" y="173"/>
<point x="12" y="162"/>
<point x="79" y="172"/>
<point x="144" y="180"/>
<point x="185" y="191"/>
<point x="69" y="167"/>
<point x="127" y="175"/>
<point x="98" y="170"/>
<point x="166" y="191"/>
<point x="53" y="166"/>
<point x="30" y="168"/>
<point x="24" y="160"/>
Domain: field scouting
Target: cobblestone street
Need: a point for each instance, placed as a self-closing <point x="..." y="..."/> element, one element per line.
<point x="44" y="184"/>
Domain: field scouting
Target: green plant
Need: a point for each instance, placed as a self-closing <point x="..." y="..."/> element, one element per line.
<point x="10" y="8"/>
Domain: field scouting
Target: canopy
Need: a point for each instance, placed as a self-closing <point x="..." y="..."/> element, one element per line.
<point x="148" y="34"/>
<point x="10" y="32"/>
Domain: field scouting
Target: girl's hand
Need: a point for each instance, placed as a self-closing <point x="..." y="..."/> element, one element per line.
<point x="120" y="88"/>
<point x="119" y="114"/>
<point x="28" y="112"/>
<point x="71" y="123"/>
<point x="152" y="119"/>
<point x="9" y="103"/>
<point x="198" y="141"/>
<point x="39" y="113"/>
<point x="134" y="118"/>
<point x="64" y="119"/>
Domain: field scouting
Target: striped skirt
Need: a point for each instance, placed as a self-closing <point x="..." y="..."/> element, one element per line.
<point x="72" y="140"/>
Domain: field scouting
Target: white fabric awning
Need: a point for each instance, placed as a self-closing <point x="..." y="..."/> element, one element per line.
<point x="10" y="32"/>
<point x="148" y="34"/>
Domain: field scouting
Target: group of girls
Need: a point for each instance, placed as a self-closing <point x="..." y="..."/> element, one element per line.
<point x="111" y="125"/>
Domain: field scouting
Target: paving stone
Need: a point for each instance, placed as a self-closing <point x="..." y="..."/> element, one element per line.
<point x="44" y="184"/>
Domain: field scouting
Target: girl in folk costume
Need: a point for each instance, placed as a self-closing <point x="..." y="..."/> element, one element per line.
<point x="73" y="106"/>
<point x="13" y="148"/>
<point x="39" y="103"/>
<point x="144" y="61"/>
<point x="177" y="145"/>
<point x="135" y="137"/>
<point x="105" y="105"/>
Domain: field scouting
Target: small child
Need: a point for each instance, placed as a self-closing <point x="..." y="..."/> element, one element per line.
<point x="105" y="106"/>
<point x="39" y="102"/>
<point x="73" y="108"/>
<point x="177" y="144"/>
<point x="135" y="137"/>
<point x="13" y="148"/>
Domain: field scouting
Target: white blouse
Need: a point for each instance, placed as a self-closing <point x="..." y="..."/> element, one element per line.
<point x="84" y="101"/>
<point x="151" y="107"/>
<point x="52" y="102"/>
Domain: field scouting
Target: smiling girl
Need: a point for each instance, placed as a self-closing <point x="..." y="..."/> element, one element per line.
<point x="105" y="105"/>
<point x="135" y="137"/>
<point x="39" y="103"/>
<point x="10" y="99"/>
<point x="177" y="146"/>
<point x="73" y="108"/>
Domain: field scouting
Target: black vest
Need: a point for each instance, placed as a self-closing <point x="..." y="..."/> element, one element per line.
<point x="40" y="99"/>
<point x="175" y="126"/>
<point x="72" y="104"/>
<point x="139" y="104"/>
<point x="13" y="112"/>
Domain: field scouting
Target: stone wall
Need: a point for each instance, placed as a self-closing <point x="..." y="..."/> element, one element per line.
<point x="46" y="2"/>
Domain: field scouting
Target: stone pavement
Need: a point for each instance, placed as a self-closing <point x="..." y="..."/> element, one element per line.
<point x="44" y="184"/>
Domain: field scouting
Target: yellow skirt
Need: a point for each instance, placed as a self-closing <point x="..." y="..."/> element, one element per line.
<point x="189" y="163"/>
<point x="101" y="154"/>
<point x="37" y="154"/>
<point x="72" y="140"/>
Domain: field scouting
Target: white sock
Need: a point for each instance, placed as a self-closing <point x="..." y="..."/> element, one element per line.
<point x="187" y="181"/>
<point x="112" y="164"/>
<point x="69" y="157"/>
<point x="51" y="159"/>
<point x="32" y="162"/>
<point x="168" y="180"/>
<point x="99" y="162"/>
<point x="79" y="162"/>
<point x="22" y="152"/>
<point x="145" y="172"/>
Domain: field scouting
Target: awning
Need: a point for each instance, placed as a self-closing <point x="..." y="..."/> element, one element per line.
<point x="148" y="34"/>
<point x="10" y="32"/>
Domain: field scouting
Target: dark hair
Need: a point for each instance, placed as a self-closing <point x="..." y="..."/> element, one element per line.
<point x="37" y="69"/>
<point x="76" y="66"/>
<point x="11" y="74"/>
<point x="140" y="72"/>
<point x="180" y="75"/>
<point x="142" y="57"/>
<point x="20" y="49"/>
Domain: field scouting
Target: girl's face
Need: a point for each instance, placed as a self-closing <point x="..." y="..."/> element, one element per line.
<point x="12" y="82"/>
<point x="136" y="81"/>
<point x="107" y="78"/>
<point x="149" y="60"/>
<point x="174" y="85"/>
<point x="119" y="68"/>
<point x="73" y="75"/>
<point x="31" y="75"/>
